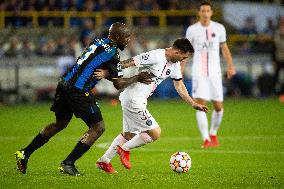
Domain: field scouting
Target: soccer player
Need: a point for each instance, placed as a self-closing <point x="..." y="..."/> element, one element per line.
<point x="139" y="127"/>
<point x="207" y="37"/>
<point x="73" y="97"/>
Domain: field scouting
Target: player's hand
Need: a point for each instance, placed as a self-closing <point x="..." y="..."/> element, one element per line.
<point x="100" y="74"/>
<point x="200" y="107"/>
<point x="145" y="77"/>
<point x="231" y="71"/>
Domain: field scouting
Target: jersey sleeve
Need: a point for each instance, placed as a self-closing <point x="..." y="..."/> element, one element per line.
<point x="222" y="34"/>
<point x="176" y="73"/>
<point x="144" y="59"/>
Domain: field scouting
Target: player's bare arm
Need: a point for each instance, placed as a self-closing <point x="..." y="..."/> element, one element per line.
<point x="143" y="77"/>
<point x="231" y="71"/>
<point x="100" y="74"/>
<point x="127" y="63"/>
<point x="183" y="93"/>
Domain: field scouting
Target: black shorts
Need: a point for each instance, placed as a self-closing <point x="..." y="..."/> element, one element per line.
<point x="70" y="100"/>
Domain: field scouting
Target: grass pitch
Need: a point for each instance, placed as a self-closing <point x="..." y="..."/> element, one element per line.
<point x="251" y="152"/>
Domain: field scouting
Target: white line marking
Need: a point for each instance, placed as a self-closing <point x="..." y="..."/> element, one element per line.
<point x="105" y="145"/>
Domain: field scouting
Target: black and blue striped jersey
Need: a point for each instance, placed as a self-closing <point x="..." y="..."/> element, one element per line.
<point x="101" y="54"/>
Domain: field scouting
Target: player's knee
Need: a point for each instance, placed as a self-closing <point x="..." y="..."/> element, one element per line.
<point x="218" y="108"/>
<point x="155" y="133"/>
<point x="128" y="135"/>
<point x="100" y="128"/>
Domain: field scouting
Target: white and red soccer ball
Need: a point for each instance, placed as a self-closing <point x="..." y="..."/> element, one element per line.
<point x="180" y="162"/>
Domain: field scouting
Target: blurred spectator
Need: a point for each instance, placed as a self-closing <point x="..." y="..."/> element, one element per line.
<point x="90" y="6"/>
<point x="240" y="85"/>
<point x="64" y="63"/>
<point x="13" y="48"/>
<point x="146" y="5"/>
<point x="75" y="45"/>
<point x="2" y="52"/>
<point x="63" y="47"/>
<point x="249" y="27"/>
<point x="265" y="83"/>
<point x="106" y="21"/>
<point x="278" y="55"/>
<point x="48" y="49"/>
<point x="270" y="28"/>
<point x="87" y="32"/>
<point x="27" y="49"/>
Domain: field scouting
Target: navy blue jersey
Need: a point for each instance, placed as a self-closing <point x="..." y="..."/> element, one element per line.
<point x="101" y="54"/>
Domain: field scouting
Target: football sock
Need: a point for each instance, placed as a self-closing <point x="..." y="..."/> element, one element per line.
<point x="111" y="151"/>
<point x="36" y="143"/>
<point x="137" y="141"/>
<point x="76" y="153"/>
<point x="202" y="123"/>
<point x="216" y="121"/>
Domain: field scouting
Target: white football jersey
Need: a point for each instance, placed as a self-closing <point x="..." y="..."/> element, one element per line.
<point x="155" y="62"/>
<point x="206" y="43"/>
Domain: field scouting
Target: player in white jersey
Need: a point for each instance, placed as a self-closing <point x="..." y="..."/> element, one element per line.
<point x="139" y="127"/>
<point x="207" y="37"/>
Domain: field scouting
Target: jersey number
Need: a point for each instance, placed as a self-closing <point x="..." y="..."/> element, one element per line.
<point x="89" y="50"/>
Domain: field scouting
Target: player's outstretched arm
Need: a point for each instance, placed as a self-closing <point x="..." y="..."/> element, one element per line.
<point x="142" y="77"/>
<point x="183" y="93"/>
<point x="231" y="71"/>
<point x="127" y="63"/>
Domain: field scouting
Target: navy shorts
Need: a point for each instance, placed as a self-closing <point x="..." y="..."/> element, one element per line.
<point x="70" y="100"/>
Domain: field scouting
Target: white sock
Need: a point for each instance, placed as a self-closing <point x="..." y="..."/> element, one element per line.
<point x="137" y="141"/>
<point x="111" y="151"/>
<point x="202" y="123"/>
<point x="216" y="121"/>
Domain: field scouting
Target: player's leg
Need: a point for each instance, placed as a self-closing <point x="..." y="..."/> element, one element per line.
<point x="86" y="108"/>
<point x="202" y="123"/>
<point x="85" y="143"/>
<point x="63" y="117"/>
<point x="43" y="137"/>
<point x="216" y="119"/>
<point x="147" y="130"/>
<point x="104" y="161"/>
<point x="120" y="139"/>
<point x="201" y="94"/>
<point x="216" y="89"/>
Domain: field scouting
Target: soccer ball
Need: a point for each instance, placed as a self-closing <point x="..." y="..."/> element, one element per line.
<point x="180" y="162"/>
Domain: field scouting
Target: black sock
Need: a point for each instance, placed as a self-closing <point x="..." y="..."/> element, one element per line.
<point x="76" y="153"/>
<point x="36" y="143"/>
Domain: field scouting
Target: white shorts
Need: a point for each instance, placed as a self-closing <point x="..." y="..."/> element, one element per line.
<point x="207" y="88"/>
<point x="137" y="120"/>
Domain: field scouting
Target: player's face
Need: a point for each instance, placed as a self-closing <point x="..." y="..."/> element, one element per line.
<point x="179" y="56"/>
<point x="123" y="41"/>
<point x="205" y="13"/>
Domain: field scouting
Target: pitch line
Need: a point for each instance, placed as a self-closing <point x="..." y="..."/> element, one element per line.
<point x="105" y="145"/>
<point x="187" y="138"/>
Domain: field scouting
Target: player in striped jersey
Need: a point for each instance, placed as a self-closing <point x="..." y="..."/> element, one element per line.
<point x="73" y="97"/>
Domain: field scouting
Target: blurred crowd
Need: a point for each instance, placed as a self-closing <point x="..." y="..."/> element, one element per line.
<point x="72" y="43"/>
<point x="16" y="6"/>
<point x="92" y="5"/>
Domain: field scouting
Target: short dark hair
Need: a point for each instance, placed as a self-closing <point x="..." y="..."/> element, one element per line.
<point x="184" y="45"/>
<point x="205" y="3"/>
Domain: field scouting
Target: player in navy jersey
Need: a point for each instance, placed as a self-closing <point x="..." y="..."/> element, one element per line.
<point x="73" y="96"/>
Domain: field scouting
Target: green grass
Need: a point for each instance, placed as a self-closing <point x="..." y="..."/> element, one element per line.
<point x="251" y="152"/>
